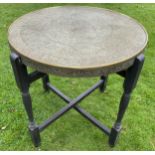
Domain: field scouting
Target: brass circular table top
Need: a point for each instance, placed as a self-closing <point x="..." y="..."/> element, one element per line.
<point x="77" y="40"/>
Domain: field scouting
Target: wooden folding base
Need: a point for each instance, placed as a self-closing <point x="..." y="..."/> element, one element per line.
<point x="24" y="79"/>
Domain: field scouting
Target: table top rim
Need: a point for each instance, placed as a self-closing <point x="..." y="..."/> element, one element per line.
<point x="79" y="67"/>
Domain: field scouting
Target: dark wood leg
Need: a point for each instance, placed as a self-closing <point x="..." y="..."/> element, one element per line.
<point x="45" y="80"/>
<point x="131" y="78"/>
<point x="23" y="83"/>
<point x="103" y="86"/>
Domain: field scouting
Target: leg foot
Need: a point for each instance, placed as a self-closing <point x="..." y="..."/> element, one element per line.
<point x="103" y="86"/>
<point x="45" y="79"/>
<point x="35" y="134"/>
<point x="115" y="131"/>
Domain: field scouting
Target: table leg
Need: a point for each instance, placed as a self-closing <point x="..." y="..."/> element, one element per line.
<point x="23" y="83"/>
<point x="131" y="78"/>
<point x="45" y="80"/>
<point x="103" y="86"/>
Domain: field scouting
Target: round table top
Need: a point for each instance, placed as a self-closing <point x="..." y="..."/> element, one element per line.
<point x="77" y="40"/>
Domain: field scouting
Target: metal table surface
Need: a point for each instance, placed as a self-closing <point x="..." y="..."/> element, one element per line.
<point x="77" y="40"/>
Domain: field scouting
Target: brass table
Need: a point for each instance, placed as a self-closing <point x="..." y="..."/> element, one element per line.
<point x="76" y="41"/>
